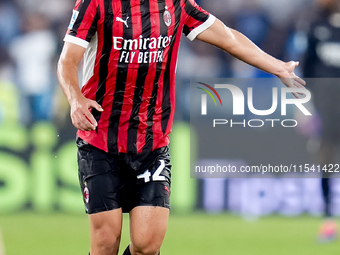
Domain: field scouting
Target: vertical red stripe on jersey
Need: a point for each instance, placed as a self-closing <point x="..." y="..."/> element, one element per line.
<point x="130" y="82"/>
<point x="157" y="119"/>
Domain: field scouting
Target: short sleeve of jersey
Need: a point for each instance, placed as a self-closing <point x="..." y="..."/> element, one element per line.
<point x="83" y="24"/>
<point x="197" y="20"/>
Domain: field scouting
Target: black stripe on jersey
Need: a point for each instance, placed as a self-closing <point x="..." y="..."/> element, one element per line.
<point x="93" y="27"/>
<point x="82" y="8"/>
<point x="104" y="60"/>
<point x="186" y="30"/>
<point x="140" y="81"/>
<point x="122" y="70"/>
<point x="166" y="105"/>
<point x="194" y="13"/>
<point x="153" y="99"/>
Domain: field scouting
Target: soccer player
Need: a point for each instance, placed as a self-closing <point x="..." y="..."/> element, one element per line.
<point x="124" y="111"/>
<point x="322" y="61"/>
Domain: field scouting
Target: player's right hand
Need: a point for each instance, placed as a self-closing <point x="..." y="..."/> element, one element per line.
<point x="290" y="79"/>
<point x="81" y="115"/>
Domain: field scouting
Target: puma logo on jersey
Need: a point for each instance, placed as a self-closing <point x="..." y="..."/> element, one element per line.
<point x="123" y="21"/>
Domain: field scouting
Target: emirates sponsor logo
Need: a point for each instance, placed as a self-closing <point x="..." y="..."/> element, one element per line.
<point x="141" y="50"/>
<point x="119" y="43"/>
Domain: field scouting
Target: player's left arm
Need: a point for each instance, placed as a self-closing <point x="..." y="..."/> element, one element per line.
<point x="239" y="46"/>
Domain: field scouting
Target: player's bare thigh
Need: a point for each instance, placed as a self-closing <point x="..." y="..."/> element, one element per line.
<point x="105" y="232"/>
<point x="148" y="226"/>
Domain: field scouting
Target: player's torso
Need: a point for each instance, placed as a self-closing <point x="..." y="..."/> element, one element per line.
<point x="135" y="50"/>
<point x="130" y="65"/>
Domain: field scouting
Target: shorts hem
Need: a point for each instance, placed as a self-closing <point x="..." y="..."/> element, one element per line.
<point x="126" y="210"/>
<point x="102" y="210"/>
<point x="144" y="205"/>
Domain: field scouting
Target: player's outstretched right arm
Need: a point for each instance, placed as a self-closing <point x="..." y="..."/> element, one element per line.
<point x="239" y="46"/>
<point x="81" y="116"/>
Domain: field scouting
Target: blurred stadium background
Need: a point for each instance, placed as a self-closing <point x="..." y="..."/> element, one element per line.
<point x="41" y="209"/>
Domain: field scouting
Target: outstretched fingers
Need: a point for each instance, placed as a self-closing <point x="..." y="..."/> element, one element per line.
<point x="299" y="82"/>
<point x="291" y="80"/>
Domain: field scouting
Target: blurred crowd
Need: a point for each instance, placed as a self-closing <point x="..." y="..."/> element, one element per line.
<point x="32" y="31"/>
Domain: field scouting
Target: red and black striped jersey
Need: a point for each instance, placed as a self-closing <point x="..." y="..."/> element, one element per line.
<point x="129" y="67"/>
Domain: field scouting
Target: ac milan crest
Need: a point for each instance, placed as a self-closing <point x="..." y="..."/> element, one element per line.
<point x="86" y="195"/>
<point x="167" y="17"/>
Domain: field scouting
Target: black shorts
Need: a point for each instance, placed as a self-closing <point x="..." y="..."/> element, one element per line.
<point x="111" y="181"/>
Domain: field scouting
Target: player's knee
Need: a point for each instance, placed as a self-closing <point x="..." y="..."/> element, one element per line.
<point x="107" y="239"/>
<point x="144" y="247"/>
